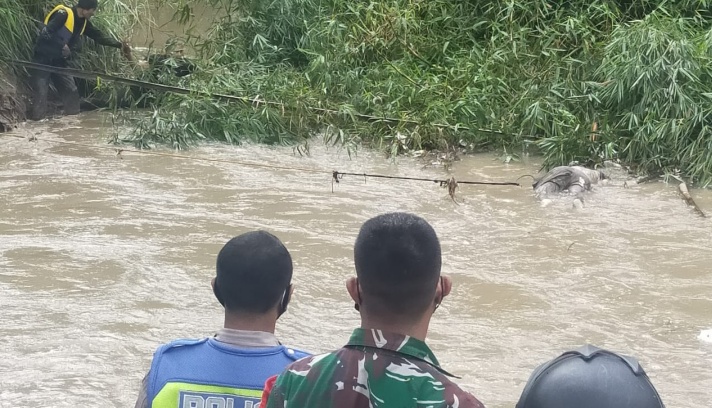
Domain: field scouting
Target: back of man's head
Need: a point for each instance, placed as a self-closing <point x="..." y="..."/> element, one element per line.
<point x="88" y="4"/>
<point x="253" y="272"/>
<point x="398" y="260"/>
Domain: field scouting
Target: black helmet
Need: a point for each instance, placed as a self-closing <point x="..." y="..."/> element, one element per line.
<point x="590" y="378"/>
<point x="88" y="4"/>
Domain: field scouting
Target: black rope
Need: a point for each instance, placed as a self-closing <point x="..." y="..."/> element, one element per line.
<point x="91" y="75"/>
<point x="337" y="175"/>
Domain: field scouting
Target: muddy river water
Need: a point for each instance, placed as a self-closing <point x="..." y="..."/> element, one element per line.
<point x="103" y="257"/>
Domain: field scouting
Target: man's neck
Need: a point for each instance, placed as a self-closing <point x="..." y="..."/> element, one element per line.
<point x="252" y="322"/>
<point x="417" y="330"/>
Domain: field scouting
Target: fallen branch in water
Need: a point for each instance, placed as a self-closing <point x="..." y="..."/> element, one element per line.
<point x="688" y="198"/>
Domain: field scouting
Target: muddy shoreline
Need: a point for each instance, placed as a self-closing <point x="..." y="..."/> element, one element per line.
<point x="12" y="101"/>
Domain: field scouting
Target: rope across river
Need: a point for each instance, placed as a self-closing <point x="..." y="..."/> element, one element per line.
<point x="336" y="176"/>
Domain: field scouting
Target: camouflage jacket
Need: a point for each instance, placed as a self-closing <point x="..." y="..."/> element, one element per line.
<point x="374" y="370"/>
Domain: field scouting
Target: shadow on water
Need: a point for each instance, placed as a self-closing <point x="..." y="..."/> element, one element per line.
<point x="104" y="257"/>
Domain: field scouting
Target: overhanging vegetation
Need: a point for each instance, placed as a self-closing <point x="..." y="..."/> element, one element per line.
<point x="582" y="81"/>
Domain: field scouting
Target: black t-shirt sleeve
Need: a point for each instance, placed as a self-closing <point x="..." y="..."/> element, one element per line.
<point x="99" y="37"/>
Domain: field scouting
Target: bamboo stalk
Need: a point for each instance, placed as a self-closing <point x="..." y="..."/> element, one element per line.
<point x="688" y="199"/>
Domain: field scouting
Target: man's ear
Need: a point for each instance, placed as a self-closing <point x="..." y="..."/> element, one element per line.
<point x="447" y="285"/>
<point x="216" y="291"/>
<point x="443" y="290"/>
<point x="354" y="291"/>
<point x="284" y="302"/>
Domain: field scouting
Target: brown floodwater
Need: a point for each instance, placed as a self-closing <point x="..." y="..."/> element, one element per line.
<point x="102" y="258"/>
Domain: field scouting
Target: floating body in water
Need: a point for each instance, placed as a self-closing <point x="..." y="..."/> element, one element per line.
<point x="572" y="179"/>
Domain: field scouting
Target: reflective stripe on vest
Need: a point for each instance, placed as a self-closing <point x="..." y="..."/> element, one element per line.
<point x="188" y="395"/>
<point x="66" y="32"/>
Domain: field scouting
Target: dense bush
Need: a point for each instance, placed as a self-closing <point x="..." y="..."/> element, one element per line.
<point x="578" y="81"/>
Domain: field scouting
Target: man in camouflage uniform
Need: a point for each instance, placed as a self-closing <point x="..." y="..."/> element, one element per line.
<point x="386" y="362"/>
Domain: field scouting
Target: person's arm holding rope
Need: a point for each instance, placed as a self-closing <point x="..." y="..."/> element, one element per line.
<point x="102" y="39"/>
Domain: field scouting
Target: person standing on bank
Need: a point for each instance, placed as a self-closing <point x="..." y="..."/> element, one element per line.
<point x="59" y="37"/>
<point x="253" y="283"/>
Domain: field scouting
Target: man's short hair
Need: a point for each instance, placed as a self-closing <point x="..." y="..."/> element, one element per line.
<point x="253" y="272"/>
<point x="398" y="260"/>
<point x="88" y="4"/>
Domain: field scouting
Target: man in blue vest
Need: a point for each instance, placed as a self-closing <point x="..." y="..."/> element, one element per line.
<point x="253" y="283"/>
<point x="59" y="37"/>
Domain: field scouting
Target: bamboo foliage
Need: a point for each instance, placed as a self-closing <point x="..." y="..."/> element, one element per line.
<point x="18" y="29"/>
<point x="464" y="65"/>
<point x="658" y="104"/>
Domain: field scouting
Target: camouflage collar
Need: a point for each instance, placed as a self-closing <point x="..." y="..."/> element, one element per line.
<point x="399" y="343"/>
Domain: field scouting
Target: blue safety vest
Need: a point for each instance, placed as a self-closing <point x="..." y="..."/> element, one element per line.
<point x="209" y="374"/>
